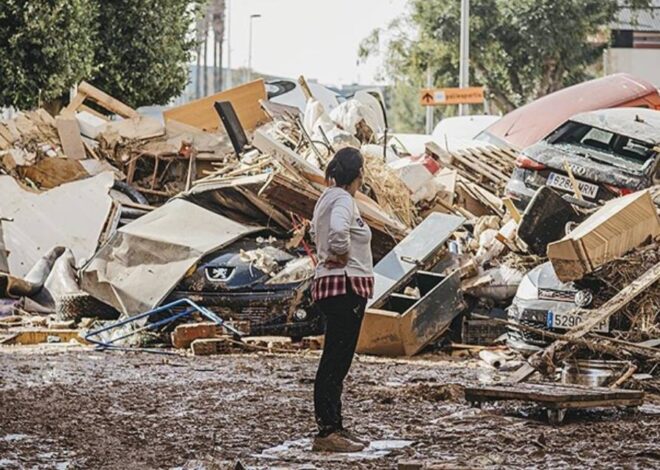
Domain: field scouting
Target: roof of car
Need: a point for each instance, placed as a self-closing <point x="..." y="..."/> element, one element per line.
<point x="639" y="123"/>
<point x="534" y="121"/>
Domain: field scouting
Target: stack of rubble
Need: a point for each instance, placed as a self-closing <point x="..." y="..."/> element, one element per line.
<point x="235" y="164"/>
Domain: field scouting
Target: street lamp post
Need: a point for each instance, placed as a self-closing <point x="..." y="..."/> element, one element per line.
<point x="464" y="70"/>
<point x="249" y="72"/>
<point x="230" y="79"/>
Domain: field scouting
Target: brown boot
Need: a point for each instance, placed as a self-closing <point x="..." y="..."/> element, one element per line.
<point x="335" y="442"/>
<point x="349" y="435"/>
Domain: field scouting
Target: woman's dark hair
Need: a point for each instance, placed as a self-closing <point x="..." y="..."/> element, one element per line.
<point x="345" y="166"/>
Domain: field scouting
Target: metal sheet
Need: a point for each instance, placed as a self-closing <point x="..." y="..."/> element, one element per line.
<point x="71" y="215"/>
<point x="420" y="245"/>
<point x="145" y="260"/>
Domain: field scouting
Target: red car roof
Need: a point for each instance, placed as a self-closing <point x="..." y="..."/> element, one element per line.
<point x="528" y="124"/>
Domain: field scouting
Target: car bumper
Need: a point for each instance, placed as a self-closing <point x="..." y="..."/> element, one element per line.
<point x="266" y="313"/>
<point x="533" y="313"/>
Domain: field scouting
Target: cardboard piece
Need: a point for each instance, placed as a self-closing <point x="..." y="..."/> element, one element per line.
<point x="619" y="226"/>
<point x="201" y="113"/>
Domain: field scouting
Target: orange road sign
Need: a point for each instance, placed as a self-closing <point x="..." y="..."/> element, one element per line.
<point x="445" y="96"/>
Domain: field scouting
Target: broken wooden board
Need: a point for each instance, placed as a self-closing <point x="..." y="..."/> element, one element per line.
<point x="555" y="395"/>
<point x="616" y="303"/>
<point x="69" y="133"/>
<point x="202" y="115"/>
<point x="87" y="91"/>
<point x="43" y="335"/>
<point x="619" y="226"/>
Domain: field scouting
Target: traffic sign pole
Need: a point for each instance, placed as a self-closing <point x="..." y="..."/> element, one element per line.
<point x="429" y="109"/>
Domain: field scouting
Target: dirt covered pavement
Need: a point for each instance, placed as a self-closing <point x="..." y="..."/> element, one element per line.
<point x="82" y="409"/>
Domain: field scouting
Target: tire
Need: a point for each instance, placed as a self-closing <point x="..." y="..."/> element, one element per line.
<point x="129" y="191"/>
<point x="79" y="305"/>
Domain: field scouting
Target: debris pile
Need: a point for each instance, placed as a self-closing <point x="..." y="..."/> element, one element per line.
<point x="191" y="229"/>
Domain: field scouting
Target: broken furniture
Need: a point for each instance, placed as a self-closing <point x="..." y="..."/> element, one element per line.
<point x="404" y="324"/>
<point x="619" y="226"/>
<point x="489" y="167"/>
<point x="398" y="323"/>
<point x="555" y="398"/>
<point x="201" y="113"/>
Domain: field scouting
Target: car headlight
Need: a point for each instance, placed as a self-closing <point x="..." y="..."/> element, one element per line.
<point x="299" y="269"/>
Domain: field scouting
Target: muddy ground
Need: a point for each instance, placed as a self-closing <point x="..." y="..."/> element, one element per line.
<point x="84" y="409"/>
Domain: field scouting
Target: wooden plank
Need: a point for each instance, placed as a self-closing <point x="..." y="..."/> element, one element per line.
<point x="513" y="210"/>
<point x="106" y="101"/>
<point x="477" y="157"/>
<point x="202" y="115"/>
<point x="476" y="166"/>
<point x="41" y="335"/>
<point x="563" y="395"/>
<point x="69" y="132"/>
<point x="74" y="104"/>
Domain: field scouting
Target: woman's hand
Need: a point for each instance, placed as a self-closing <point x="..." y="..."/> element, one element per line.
<point x="336" y="261"/>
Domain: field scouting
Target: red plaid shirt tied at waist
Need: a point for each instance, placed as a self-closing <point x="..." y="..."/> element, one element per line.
<point x="332" y="286"/>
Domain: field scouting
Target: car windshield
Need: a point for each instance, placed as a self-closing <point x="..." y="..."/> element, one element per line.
<point x="615" y="149"/>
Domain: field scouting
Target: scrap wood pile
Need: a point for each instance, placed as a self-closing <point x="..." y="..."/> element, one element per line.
<point x="642" y="314"/>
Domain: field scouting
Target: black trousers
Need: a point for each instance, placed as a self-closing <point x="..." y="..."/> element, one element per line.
<point x="343" y="315"/>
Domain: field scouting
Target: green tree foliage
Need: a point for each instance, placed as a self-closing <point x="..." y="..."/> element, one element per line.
<point x="144" y="49"/>
<point x="135" y="50"/>
<point x="520" y="49"/>
<point x="45" y="47"/>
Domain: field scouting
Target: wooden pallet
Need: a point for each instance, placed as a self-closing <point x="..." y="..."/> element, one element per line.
<point x="556" y="398"/>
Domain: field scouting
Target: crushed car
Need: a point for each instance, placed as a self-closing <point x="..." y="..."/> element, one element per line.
<point x="257" y="283"/>
<point x="610" y="153"/>
<point x="544" y="302"/>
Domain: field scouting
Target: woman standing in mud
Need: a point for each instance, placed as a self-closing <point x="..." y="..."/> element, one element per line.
<point x="343" y="283"/>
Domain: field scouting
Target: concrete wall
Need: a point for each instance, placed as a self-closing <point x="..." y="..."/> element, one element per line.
<point x="644" y="63"/>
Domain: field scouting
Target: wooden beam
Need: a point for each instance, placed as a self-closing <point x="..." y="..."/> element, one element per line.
<point x="513" y="210"/>
<point x="106" y="101"/>
<point x="75" y="103"/>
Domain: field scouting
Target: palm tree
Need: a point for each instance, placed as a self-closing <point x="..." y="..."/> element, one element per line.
<point x="213" y="18"/>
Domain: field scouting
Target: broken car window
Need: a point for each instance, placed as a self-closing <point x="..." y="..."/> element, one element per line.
<point x="628" y="152"/>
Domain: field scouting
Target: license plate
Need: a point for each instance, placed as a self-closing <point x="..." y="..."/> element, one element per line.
<point x="567" y="320"/>
<point x="564" y="183"/>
